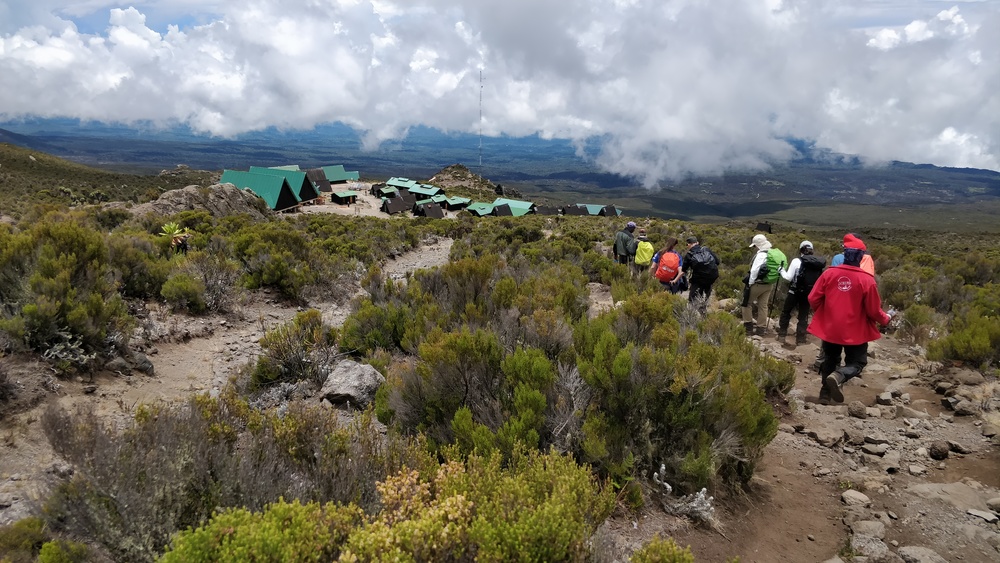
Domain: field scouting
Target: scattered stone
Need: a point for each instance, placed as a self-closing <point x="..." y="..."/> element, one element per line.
<point x="966" y="408"/>
<point x="968" y="377"/>
<point x="877" y="439"/>
<point x="990" y="431"/>
<point x="915" y="554"/>
<point x="786" y="428"/>
<point x="994" y="504"/>
<point x="912" y="434"/>
<point x="822" y="472"/>
<point x="909" y="412"/>
<point x="351" y="382"/>
<point x="950" y="402"/>
<point x="874" y="412"/>
<point x="917" y="470"/>
<point x="6" y="501"/>
<point x="890" y="462"/>
<point x="892" y="515"/>
<point x="857" y="409"/>
<point x="870" y="528"/>
<point x="827" y="437"/>
<point x="142" y="363"/>
<point x="811" y="537"/>
<point x="854" y="436"/>
<point x="884" y="399"/>
<point x="850" y="497"/>
<point x="988" y="516"/>
<point x="868" y="546"/>
<point x="922" y="452"/>
<point x="942" y="387"/>
<point x="959" y="448"/>
<point x="875" y="449"/>
<point x="118" y="365"/>
<point x="939" y="450"/>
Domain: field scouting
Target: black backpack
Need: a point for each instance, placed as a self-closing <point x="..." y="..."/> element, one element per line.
<point x="810" y="269"/>
<point x="703" y="264"/>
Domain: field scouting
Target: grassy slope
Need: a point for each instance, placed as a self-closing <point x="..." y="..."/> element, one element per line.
<point x="29" y="176"/>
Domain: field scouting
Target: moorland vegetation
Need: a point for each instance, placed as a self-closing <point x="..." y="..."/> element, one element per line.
<point x="513" y="419"/>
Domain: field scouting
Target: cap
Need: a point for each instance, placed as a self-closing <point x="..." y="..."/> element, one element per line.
<point x="692" y="240"/>
<point x="851" y="241"/>
<point x="758" y="241"/>
<point x="631" y="224"/>
<point x="805" y="244"/>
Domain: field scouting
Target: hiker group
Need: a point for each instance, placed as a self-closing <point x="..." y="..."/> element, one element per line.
<point x="694" y="270"/>
<point x="846" y="306"/>
<point x="843" y="299"/>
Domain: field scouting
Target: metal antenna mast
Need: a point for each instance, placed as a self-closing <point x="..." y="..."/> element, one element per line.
<point x="480" y="118"/>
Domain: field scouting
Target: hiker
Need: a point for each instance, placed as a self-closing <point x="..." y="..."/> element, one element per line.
<point x="847" y="309"/>
<point x="801" y="274"/>
<point x="759" y="283"/>
<point x="643" y="253"/>
<point x="867" y="262"/>
<point x="701" y="269"/>
<point x="624" y="250"/>
<point x="667" y="266"/>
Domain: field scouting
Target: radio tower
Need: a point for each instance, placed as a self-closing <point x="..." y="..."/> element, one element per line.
<point x="480" y="120"/>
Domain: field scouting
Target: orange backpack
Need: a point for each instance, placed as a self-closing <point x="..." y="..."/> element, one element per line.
<point x="668" y="266"/>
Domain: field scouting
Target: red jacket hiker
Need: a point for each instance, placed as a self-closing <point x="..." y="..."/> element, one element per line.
<point x="847" y="307"/>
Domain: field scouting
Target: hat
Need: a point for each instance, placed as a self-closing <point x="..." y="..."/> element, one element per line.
<point x="631" y="224"/>
<point x="692" y="240"/>
<point x="804" y="244"/>
<point x="851" y="241"/>
<point x="759" y="241"/>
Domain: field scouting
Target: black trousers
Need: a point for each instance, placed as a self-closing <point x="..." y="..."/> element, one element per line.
<point x="793" y="302"/>
<point x="698" y="294"/>
<point x="855" y="359"/>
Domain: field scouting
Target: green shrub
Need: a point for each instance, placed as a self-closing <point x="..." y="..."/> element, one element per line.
<point x="63" y="552"/>
<point x="660" y="550"/>
<point x="183" y="292"/>
<point x="302" y="349"/>
<point x="21" y="541"/>
<point x="282" y="532"/>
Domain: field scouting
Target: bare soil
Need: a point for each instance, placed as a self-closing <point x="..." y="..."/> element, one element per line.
<point x="792" y="512"/>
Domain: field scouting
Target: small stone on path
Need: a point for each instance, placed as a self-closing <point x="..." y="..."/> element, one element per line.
<point x="988" y="516"/>
<point x="939" y="450"/>
<point x="850" y="497"/>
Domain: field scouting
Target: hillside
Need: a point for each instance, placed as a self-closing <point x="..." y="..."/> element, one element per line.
<point x="29" y="176"/>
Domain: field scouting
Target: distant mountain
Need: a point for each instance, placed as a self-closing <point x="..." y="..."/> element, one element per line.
<point x="813" y="186"/>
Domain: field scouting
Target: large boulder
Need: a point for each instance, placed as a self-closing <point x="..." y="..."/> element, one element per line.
<point x="352" y="383"/>
<point x="220" y="200"/>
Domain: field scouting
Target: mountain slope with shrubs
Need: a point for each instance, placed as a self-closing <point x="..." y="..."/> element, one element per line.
<point x="513" y="420"/>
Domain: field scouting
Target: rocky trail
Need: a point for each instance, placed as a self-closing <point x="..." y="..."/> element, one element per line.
<point x="907" y="469"/>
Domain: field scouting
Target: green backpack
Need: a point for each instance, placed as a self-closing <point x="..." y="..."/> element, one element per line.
<point x="775" y="260"/>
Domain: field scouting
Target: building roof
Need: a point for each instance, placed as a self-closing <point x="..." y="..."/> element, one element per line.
<point x="433" y="210"/>
<point x="455" y="200"/>
<point x="591" y="208"/>
<point x="503" y="210"/>
<point x="274" y="190"/>
<point x="480" y="208"/>
<point x="297" y="180"/>
<point x="425" y="190"/>
<point x="287" y="167"/>
<point x="348" y="193"/>
<point x="517" y="207"/>
<point x="394" y="205"/>
<point x="402" y="183"/>
<point x="318" y="178"/>
<point x="336" y="173"/>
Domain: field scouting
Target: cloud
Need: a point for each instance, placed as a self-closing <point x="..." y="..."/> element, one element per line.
<point x="671" y="88"/>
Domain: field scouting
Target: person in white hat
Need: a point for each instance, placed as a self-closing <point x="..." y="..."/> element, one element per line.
<point x="801" y="275"/>
<point x="759" y="289"/>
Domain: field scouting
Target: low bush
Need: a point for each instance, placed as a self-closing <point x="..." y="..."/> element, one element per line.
<point x="659" y="550"/>
<point x="21" y="541"/>
<point x="184" y="293"/>
<point x="303" y="349"/>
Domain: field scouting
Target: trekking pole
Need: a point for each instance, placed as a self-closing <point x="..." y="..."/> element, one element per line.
<point x="770" y="306"/>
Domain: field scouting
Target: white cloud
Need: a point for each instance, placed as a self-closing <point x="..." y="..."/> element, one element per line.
<point x="673" y="87"/>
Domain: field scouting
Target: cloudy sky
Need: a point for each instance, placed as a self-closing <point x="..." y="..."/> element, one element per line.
<point x="671" y="87"/>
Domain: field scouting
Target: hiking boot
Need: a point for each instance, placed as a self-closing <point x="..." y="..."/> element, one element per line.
<point x="748" y="327"/>
<point x="801" y="339"/>
<point x="824" y="395"/>
<point x="760" y="331"/>
<point x="832" y="384"/>
<point x="781" y="339"/>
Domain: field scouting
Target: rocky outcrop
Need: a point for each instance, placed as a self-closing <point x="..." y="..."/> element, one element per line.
<point x="219" y="200"/>
<point x="352" y="383"/>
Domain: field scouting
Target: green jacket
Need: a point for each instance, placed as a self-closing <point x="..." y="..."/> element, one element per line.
<point x="624" y="243"/>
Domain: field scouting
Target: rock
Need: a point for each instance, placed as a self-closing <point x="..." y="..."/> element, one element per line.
<point x="874" y="412"/>
<point x="875" y="438"/>
<point x="890" y="462"/>
<point x="942" y="387"/>
<point x="966" y="408"/>
<point x="142" y="363"/>
<point x="875" y="449"/>
<point x="786" y="428"/>
<point x="990" y="431"/>
<point x="854" y="436"/>
<point x="967" y="377"/>
<point x="994" y="504"/>
<point x="939" y="450"/>
<point x="118" y="365"/>
<point x="868" y="546"/>
<point x="61" y="469"/>
<point x="857" y="409"/>
<point x="884" y="399"/>
<point x="89" y="389"/>
<point x="870" y="528"/>
<point x="950" y="402"/>
<point x="353" y="383"/>
<point x="6" y="501"/>
<point x="850" y="497"/>
<point x="826" y="436"/>
<point x="887" y="557"/>
<point x="220" y="200"/>
<point x="988" y="516"/>
<point x="917" y="470"/>
<point x="915" y="554"/>
<point x="921" y="452"/>
<point x="959" y="448"/>
<point x="908" y="412"/>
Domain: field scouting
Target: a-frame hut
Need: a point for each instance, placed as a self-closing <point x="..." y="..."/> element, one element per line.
<point x="318" y="178"/>
<point x="297" y="180"/>
<point x="393" y="205"/>
<point x="274" y="190"/>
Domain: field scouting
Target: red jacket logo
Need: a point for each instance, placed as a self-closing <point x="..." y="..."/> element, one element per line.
<point x="844" y="283"/>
